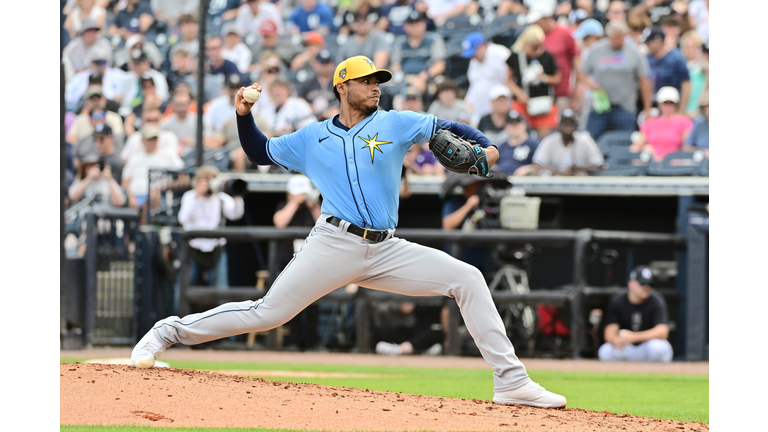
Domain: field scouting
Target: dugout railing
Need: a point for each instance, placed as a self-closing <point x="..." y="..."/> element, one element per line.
<point x="576" y="298"/>
<point x="99" y="295"/>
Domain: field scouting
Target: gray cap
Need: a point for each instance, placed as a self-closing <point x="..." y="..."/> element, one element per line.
<point x="89" y="24"/>
<point x="98" y="53"/>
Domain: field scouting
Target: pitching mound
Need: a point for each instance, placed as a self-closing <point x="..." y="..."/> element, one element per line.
<point x="108" y="394"/>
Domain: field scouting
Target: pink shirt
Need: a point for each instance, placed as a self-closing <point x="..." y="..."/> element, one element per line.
<point x="666" y="135"/>
<point x="563" y="48"/>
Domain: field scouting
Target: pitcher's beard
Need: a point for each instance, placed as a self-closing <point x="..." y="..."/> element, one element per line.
<point x="359" y="105"/>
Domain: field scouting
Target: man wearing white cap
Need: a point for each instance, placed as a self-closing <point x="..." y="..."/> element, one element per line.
<point x="492" y="124"/>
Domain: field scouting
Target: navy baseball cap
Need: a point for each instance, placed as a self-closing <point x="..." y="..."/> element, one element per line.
<point x="568" y="115"/>
<point x="643" y="275"/>
<point x="470" y="44"/>
<point x="655" y="34"/>
<point x="415" y="16"/>
<point x="324" y="56"/>
<point x="514" y="117"/>
<point x="103" y="129"/>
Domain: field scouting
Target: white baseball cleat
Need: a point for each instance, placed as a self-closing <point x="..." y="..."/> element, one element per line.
<point x="530" y="394"/>
<point x="146" y="351"/>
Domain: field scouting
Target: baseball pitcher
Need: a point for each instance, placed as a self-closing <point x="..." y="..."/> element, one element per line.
<point x="355" y="160"/>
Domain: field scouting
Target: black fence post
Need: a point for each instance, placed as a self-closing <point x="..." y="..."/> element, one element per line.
<point x="91" y="270"/>
<point x="184" y="276"/>
<point x="580" y="244"/>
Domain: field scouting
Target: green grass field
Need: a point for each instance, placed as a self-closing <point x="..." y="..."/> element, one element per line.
<point x="673" y="397"/>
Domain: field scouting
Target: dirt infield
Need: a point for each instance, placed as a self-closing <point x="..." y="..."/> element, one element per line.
<point x="115" y="394"/>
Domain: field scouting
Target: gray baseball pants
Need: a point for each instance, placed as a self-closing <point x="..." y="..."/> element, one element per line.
<point x="331" y="258"/>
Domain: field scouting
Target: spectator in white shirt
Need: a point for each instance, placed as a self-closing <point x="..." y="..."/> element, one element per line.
<point x="234" y="49"/>
<point x="487" y="68"/>
<point x="442" y="10"/>
<point x="291" y="113"/>
<point x="112" y="79"/>
<point x="136" y="170"/>
<point x="253" y="13"/>
<point x="201" y="208"/>
<point x="219" y="111"/>
<point x="167" y="141"/>
<point x="130" y="96"/>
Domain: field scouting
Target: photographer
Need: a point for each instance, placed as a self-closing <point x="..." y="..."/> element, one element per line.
<point x="95" y="179"/>
<point x="202" y="208"/>
<point x="471" y="210"/>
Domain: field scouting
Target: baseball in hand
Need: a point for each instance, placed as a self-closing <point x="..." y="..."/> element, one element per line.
<point x="251" y="95"/>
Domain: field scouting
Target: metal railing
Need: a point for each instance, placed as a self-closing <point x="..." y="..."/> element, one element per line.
<point x="571" y="296"/>
<point x="109" y="276"/>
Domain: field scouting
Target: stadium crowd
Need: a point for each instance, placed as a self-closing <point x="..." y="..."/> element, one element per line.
<point x="571" y="71"/>
<point x="553" y="83"/>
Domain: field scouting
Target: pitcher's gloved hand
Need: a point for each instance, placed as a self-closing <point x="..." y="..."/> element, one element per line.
<point x="459" y="155"/>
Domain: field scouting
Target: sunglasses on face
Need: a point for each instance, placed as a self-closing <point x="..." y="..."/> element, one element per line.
<point x="98" y="115"/>
<point x="273" y="70"/>
<point x="100" y="63"/>
<point x="152" y="119"/>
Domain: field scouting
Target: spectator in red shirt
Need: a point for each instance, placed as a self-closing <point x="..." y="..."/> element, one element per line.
<point x="666" y="133"/>
<point x="558" y="42"/>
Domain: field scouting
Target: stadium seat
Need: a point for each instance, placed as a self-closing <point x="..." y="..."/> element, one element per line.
<point x="704" y="170"/>
<point x="610" y="140"/>
<point x="678" y="164"/>
<point x="460" y="26"/>
<point x="623" y="162"/>
<point x="505" y="29"/>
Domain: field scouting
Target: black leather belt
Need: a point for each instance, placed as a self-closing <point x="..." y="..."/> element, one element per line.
<point x="372" y="235"/>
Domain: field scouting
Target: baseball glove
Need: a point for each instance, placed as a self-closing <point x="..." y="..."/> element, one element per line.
<point x="459" y="155"/>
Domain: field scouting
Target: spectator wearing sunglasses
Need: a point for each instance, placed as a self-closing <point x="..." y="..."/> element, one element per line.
<point x="167" y="142"/>
<point x="88" y="143"/>
<point x="94" y="112"/>
<point x="666" y="133"/>
<point x="218" y="67"/>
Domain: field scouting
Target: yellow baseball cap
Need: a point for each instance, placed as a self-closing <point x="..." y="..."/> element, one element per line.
<point x="357" y="67"/>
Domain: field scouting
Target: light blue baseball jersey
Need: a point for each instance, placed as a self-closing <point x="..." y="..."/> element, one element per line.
<point x="357" y="171"/>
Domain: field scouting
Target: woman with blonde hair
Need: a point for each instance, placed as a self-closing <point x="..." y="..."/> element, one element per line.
<point x="533" y="75"/>
<point x="691" y="46"/>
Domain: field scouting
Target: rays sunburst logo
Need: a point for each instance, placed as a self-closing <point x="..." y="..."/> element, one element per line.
<point x="373" y="144"/>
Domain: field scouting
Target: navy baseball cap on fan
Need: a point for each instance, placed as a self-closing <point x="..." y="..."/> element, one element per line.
<point x="471" y="43"/>
<point x="568" y="115"/>
<point x="324" y="57"/>
<point x="514" y="117"/>
<point x="234" y="81"/>
<point x="655" y="34"/>
<point x="103" y="129"/>
<point x="643" y="275"/>
<point x="415" y="16"/>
